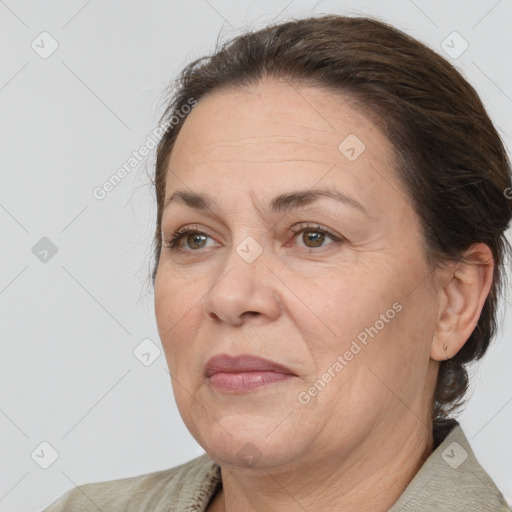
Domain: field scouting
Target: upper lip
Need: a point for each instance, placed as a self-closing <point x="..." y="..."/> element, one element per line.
<point x="242" y="363"/>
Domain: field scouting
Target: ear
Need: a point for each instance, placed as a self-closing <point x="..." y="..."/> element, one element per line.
<point x="462" y="297"/>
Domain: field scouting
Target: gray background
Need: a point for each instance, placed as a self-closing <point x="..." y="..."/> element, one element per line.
<point x="70" y="323"/>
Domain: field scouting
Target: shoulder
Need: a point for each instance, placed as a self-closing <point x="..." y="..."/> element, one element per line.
<point x="186" y="485"/>
<point x="451" y="480"/>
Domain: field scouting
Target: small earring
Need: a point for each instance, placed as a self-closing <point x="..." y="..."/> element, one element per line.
<point x="445" y="348"/>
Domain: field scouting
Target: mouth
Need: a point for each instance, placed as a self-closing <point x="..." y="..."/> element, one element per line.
<point x="244" y="372"/>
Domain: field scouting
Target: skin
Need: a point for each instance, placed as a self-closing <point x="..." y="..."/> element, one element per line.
<point x="357" y="443"/>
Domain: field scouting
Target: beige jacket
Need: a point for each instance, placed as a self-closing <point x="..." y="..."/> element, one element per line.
<point x="450" y="480"/>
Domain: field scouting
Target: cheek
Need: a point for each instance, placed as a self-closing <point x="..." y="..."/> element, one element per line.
<point x="395" y="357"/>
<point x="342" y="306"/>
<point x="366" y="313"/>
<point x="177" y="311"/>
<point x="175" y="294"/>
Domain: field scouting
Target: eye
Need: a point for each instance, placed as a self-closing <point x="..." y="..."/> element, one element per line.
<point x="314" y="235"/>
<point x="194" y="238"/>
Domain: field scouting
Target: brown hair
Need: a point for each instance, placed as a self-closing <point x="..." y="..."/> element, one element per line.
<point x="450" y="157"/>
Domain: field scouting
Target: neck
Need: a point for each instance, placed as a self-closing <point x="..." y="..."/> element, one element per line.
<point x="370" y="478"/>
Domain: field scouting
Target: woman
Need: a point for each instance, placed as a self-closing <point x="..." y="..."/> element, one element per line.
<point x="328" y="257"/>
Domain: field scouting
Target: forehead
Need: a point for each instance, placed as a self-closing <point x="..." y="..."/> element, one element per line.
<point x="277" y="135"/>
<point x="283" y="113"/>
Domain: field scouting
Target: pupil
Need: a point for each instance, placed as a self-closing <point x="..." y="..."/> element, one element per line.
<point x="315" y="237"/>
<point x="194" y="238"/>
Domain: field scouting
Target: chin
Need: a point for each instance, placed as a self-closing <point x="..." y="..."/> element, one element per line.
<point x="246" y="441"/>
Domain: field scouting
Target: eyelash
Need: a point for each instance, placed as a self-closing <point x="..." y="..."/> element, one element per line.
<point x="172" y="244"/>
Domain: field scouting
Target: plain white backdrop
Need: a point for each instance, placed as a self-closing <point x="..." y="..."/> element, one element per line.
<point x="81" y="89"/>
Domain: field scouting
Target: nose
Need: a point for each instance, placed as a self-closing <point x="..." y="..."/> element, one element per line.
<point x="244" y="289"/>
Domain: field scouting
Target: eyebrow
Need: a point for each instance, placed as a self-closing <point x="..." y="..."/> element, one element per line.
<point x="281" y="203"/>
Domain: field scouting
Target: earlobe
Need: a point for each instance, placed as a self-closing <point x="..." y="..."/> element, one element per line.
<point x="463" y="296"/>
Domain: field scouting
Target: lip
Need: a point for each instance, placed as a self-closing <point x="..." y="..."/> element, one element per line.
<point x="224" y="363"/>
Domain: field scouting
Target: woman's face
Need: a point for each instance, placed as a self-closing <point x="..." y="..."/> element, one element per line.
<point x="339" y="294"/>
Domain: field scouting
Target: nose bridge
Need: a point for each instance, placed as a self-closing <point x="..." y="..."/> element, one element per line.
<point x="242" y="285"/>
<point x="243" y="268"/>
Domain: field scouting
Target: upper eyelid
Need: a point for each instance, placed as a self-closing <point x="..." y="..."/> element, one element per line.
<point x="296" y="227"/>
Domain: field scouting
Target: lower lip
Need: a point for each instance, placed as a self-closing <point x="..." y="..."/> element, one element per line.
<point x="245" y="381"/>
